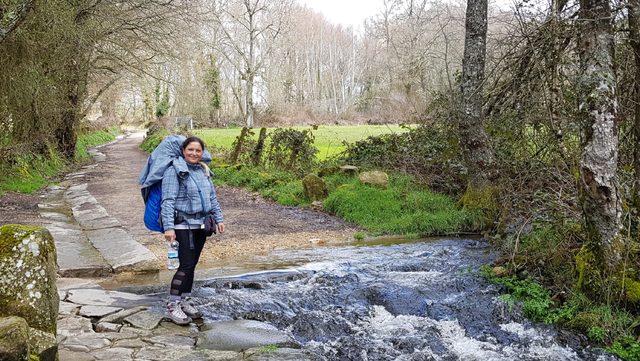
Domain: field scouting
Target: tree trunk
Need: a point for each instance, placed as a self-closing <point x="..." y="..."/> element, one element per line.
<point x="239" y="144"/>
<point x="634" y="39"/>
<point x="249" y="100"/>
<point x="474" y="141"/>
<point x="257" y="151"/>
<point x="66" y="132"/>
<point x="599" y="189"/>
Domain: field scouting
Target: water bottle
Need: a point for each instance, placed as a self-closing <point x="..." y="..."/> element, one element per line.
<point x="172" y="256"/>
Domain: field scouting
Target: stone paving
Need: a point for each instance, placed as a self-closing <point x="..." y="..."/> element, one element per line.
<point x="90" y="242"/>
<point x="97" y="324"/>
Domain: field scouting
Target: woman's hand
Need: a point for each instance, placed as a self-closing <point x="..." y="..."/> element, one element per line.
<point x="170" y="235"/>
<point x="220" y="227"/>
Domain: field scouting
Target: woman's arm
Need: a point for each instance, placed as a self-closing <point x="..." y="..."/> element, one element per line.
<point x="215" y="205"/>
<point x="170" y="188"/>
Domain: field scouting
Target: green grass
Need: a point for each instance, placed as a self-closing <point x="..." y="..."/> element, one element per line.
<point x="328" y="139"/>
<point x="606" y="325"/>
<point x="32" y="172"/>
<point x="92" y="139"/>
<point x="403" y="208"/>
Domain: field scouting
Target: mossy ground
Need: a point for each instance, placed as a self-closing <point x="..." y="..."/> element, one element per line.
<point x="556" y="281"/>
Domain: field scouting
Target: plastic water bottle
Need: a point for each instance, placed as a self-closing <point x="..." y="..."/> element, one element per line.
<point x="172" y="256"/>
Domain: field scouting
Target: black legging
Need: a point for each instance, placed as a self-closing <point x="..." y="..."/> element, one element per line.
<point x="183" y="279"/>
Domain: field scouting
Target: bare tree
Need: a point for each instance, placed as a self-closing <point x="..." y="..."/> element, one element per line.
<point x="249" y="29"/>
<point x="601" y="202"/>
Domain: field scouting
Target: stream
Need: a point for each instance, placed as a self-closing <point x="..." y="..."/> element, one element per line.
<point x="400" y="300"/>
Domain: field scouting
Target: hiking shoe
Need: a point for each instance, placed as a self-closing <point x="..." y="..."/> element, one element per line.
<point x="189" y="308"/>
<point x="176" y="314"/>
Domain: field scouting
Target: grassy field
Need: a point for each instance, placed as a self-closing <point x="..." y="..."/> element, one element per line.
<point x="329" y="138"/>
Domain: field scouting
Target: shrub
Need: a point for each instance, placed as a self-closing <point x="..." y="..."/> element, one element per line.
<point x="291" y="149"/>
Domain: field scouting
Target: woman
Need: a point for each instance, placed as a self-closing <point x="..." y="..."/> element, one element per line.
<point x="187" y="197"/>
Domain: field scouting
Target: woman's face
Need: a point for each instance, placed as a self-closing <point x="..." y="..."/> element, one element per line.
<point x="193" y="153"/>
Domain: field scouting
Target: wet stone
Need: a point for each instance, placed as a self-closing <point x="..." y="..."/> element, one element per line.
<point x="76" y="256"/>
<point x="157" y="353"/>
<point x="122" y="335"/>
<point x="98" y="297"/>
<point x="130" y="343"/>
<point x="114" y="353"/>
<point x="279" y="354"/>
<point x="90" y="341"/>
<point x="119" y="316"/>
<point x="98" y="311"/>
<point x="70" y="355"/>
<point x="108" y="327"/>
<point x="68" y="308"/>
<point x="172" y="341"/>
<point x="238" y="335"/>
<point x="126" y="329"/>
<point x="121" y="251"/>
<point x="69" y="326"/>
<point x="145" y="320"/>
<point x="170" y="328"/>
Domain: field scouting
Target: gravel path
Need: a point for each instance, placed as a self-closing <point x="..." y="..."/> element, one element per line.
<point x="255" y="226"/>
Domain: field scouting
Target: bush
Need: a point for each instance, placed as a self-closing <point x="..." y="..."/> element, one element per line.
<point x="428" y="153"/>
<point x="153" y="138"/>
<point x="291" y="149"/>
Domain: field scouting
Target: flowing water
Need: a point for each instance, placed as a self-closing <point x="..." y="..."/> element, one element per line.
<point x="390" y="299"/>
<point x="421" y="300"/>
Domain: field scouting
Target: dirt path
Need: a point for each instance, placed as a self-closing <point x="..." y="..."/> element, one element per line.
<point x="255" y="226"/>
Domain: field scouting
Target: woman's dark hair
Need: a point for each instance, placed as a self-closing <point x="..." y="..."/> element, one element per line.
<point x="191" y="140"/>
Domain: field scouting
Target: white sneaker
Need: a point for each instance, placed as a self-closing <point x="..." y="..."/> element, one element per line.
<point x="189" y="308"/>
<point x="176" y="314"/>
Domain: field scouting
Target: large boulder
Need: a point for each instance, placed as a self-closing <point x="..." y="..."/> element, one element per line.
<point x="376" y="178"/>
<point x="43" y="344"/>
<point x="315" y="189"/>
<point x="14" y="339"/>
<point x="28" y="282"/>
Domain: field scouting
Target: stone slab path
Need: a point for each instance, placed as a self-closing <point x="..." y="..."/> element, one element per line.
<point x="89" y="241"/>
<point x="97" y="324"/>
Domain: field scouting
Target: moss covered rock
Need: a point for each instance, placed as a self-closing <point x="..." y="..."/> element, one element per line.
<point x="28" y="282"/>
<point x="376" y="178"/>
<point x="14" y="339"/>
<point x="314" y="187"/>
<point x="43" y="345"/>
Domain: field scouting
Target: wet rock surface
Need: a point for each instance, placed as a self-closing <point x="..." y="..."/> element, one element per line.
<point x="240" y="335"/>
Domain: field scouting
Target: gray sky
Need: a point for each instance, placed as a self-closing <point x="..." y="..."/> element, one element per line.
<point x="354" y="12"/>
<point x="345" y="12"/>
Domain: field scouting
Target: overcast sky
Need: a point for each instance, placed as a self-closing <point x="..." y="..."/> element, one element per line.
<point x="354" y="12"/>
<point x="345" y="12"/>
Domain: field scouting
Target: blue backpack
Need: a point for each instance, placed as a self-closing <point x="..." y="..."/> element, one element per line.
<point x="152" y="208"/>
<point x="167" y="154"/>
